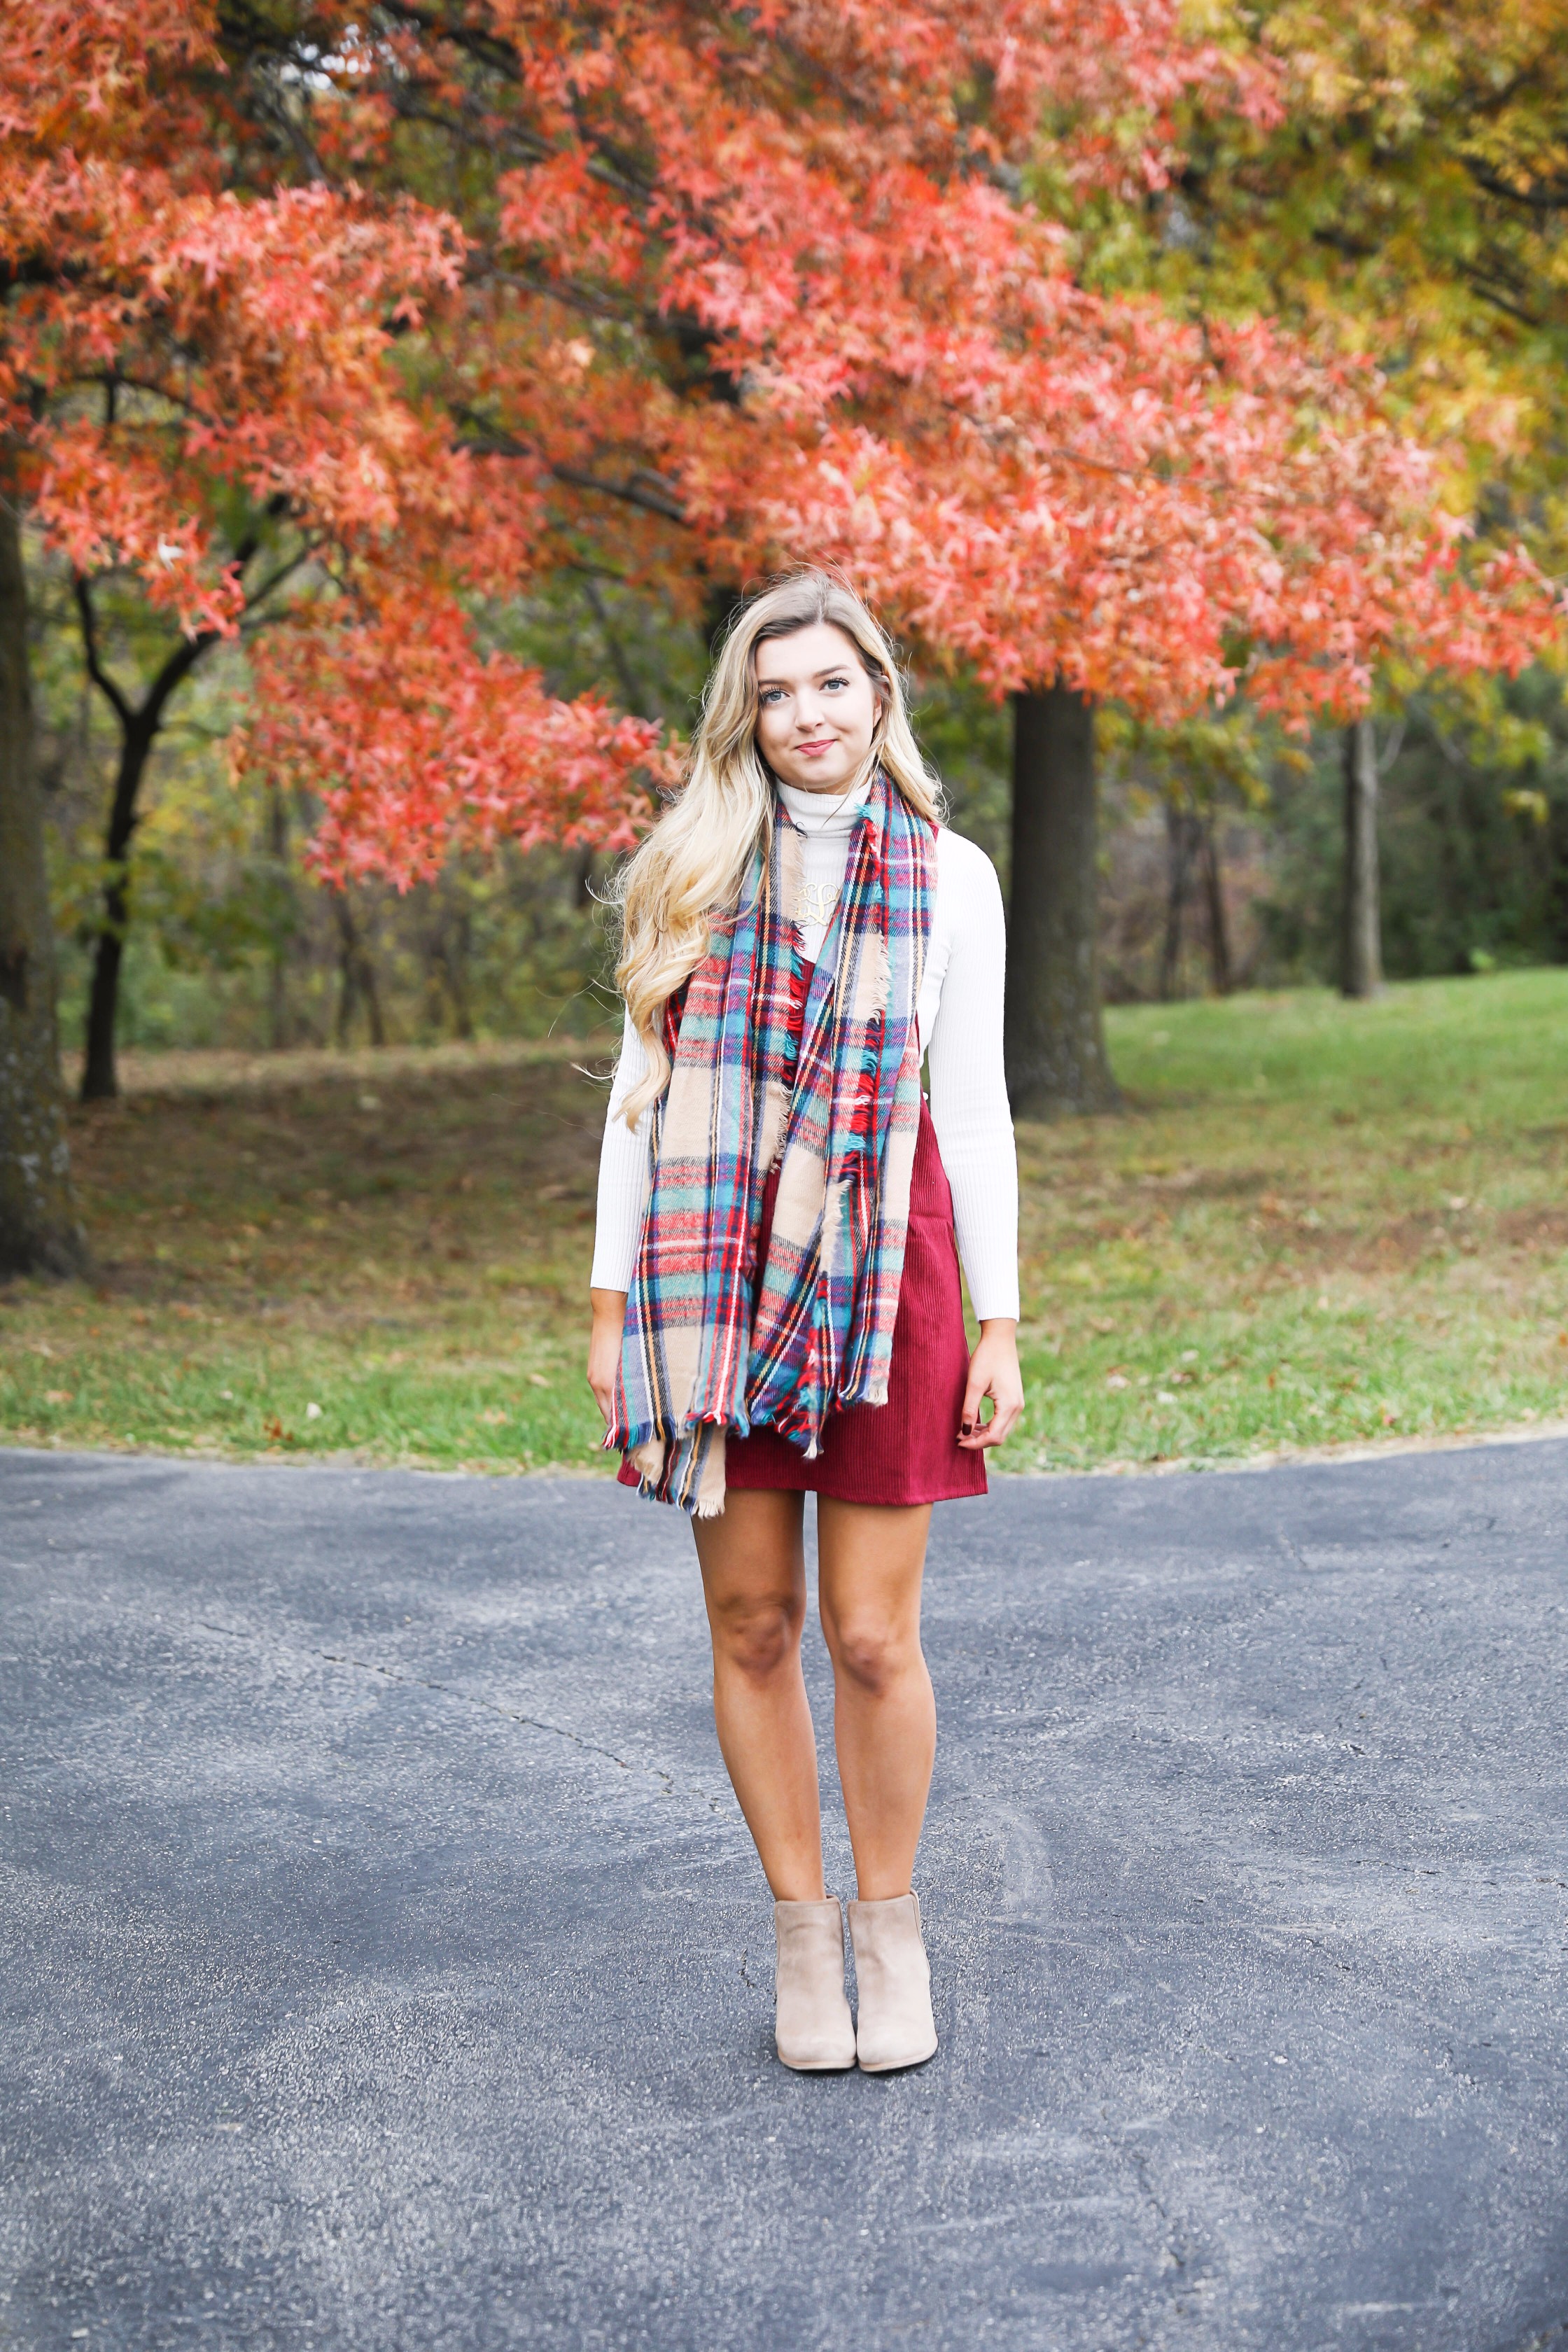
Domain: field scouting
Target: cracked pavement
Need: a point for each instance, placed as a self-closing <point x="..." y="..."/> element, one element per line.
<point x="384" y="1962"/>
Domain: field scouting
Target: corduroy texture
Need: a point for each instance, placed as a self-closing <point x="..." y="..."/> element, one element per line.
<point x="906" y="1451"/>
<point x="720" y="1336"/>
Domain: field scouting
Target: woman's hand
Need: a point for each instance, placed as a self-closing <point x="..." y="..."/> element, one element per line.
<point x="605" y="1348"/>
<point x="992" y="1372"/>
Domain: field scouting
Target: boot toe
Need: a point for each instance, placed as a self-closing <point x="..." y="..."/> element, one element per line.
<point x="813" y="2030"/>
<point x="817" y="2051"/>
<point x="877" y="2057"/>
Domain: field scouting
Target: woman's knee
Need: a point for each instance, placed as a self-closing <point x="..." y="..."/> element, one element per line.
<point x="873" y="1651"/>
<point x="757" y="1635"/>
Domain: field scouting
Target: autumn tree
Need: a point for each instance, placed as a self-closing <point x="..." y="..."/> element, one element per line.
<point x="38" y="1224"/>
<point x="199" y="396"/>
<point x="1406" y="205"/>
<point x="749" y="287"/>
<point x="497" y="292"/>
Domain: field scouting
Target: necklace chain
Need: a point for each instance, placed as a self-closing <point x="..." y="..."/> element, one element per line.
<point x="814" y="902"/>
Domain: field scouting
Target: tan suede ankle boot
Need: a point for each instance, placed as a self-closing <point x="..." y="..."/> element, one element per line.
<point x="811" y="2025"/>
<point x="895" y="2026"/>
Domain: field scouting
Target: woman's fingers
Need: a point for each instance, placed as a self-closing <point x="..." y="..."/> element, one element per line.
<point x="603" y="1392"/>
<point x="998" y="1380"/>
<point x="605" y="1348"/>
<point x="1002" y="1423"/>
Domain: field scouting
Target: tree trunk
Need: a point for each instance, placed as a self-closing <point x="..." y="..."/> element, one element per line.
<point x="1053" y="1030"/>
<point x="448" y="937"/>
<point x="460" y="941"/>
<point x="139" y="726"/>
<point x="100" y="1076"/>
<point x="277" y="989"/>
<point x="1362" y="971"/>
<point x="1178" y="859"/>
<point x="348" y="968"/>
<point x="39" y="1233"/>
<point x="356" y="976"/>
<point x="1214" y="894"/>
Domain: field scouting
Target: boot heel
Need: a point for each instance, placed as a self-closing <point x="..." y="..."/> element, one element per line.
<point x="896" y="2027"/>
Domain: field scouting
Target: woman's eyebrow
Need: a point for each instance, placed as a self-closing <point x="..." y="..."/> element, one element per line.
<point x="832" y="670"/>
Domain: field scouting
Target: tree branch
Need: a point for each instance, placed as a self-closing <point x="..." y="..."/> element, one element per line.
<point x="660" y="500"/>
<point x="631" y="694"/>
<point x="642" y="488"/>
<point x="1548" y="195"/>
<point x="175" y="670"/>
<point x="274" y="578"/>
<point x="94" y="670"/>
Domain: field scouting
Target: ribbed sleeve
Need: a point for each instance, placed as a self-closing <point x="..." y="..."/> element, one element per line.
<point x="968" y="1086"/>
<point x="624" y="1174"/>
<point x="960" y="1030"/>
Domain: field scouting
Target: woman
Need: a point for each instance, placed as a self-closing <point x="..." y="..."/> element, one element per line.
<point x="775" y="1291"/>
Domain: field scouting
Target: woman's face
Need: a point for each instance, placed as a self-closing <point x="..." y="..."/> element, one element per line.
<point x="816" y="709"/>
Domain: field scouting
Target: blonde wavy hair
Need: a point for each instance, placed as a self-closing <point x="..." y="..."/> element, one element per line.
<point x="692" y="865"/>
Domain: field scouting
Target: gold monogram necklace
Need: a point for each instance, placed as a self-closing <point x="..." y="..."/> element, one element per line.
<point x="814" y="902"/>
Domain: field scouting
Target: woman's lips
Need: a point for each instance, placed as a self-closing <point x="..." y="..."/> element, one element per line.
<point x="826" y="745"/>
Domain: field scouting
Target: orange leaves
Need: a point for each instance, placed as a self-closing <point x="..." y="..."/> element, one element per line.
<point x="735" y="287"/>
<point x="570" y="220"/>
<point x="75" y="68"/>
<point x="417" y="742"/>
<point x="249" y="346"/>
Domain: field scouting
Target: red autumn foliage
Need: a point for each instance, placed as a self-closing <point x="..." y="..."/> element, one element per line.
<point x="733" y="288"/>
<point x="432" y="741"/>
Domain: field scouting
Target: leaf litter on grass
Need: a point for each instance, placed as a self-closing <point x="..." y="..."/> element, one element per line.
<point x="1372" y="1249"/>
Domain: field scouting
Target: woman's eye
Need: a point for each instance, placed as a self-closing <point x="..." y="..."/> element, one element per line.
<point x="837" y="681"/>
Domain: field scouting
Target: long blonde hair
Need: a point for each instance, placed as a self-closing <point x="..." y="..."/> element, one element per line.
<point x="692" y="864"/>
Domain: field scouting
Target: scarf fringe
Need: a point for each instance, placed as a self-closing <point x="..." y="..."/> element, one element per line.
<point x="710" y="1347"/>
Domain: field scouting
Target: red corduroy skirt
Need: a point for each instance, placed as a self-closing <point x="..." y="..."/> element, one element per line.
<point x="905" y="1451"/>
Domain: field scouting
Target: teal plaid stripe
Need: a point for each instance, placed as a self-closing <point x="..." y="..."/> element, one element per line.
<point x="713" y="1343"/>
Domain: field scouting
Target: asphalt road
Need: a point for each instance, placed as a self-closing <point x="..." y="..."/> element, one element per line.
<point x="383" y="1964"/>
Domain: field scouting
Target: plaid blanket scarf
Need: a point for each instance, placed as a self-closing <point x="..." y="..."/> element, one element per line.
<point x="713" y="1342"/>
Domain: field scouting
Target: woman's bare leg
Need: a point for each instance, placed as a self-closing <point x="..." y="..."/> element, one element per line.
<point x="753" y="1580"/>
<point x="870" y="1560"/>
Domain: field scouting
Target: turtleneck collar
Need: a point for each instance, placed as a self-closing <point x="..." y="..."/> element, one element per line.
<point x="825" y="816"/>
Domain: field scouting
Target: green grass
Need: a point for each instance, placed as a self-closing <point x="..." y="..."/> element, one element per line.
<point x="1316" y="1225"/>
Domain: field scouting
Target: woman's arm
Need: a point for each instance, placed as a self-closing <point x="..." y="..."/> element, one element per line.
<point x="624" y="1176"/>
<point x="605" y="1348"/>
<point x="974" y="1130"/>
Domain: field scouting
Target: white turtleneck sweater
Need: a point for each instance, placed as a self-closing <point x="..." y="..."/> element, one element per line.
<point x="960" y="1019"/>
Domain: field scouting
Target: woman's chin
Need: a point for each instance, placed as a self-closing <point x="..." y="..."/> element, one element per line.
<point x="832" y="776"/>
